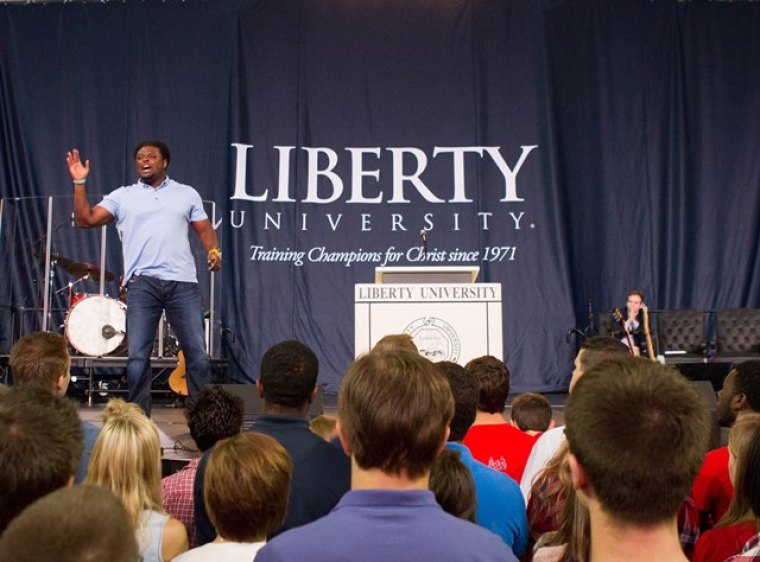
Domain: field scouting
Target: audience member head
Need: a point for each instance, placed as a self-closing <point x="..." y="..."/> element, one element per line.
<point x="395" y="342"/>
<point x="466" y="392"/>
<point x="493" y="379"/>
<point x="42" y="359"/>
<point x="740" y="392"/>
<point x="41" y="442"/>
<point x="246" y="487"/>
<point x="324" y="426"/>
<point x="743" y="468"/>
<point x="74" y="524"/>
<point x="394" y="411"/>
<point x="288" y="376"/>
<point x="452" y="484"/>
<point x="531" y="412"/>
<point x="213" y="414"/>
<point x="126" y="458"/>
<point x="637" y="432"/>
<point x="595" y="350"/>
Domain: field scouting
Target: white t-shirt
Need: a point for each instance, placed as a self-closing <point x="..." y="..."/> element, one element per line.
<point x="222" y="552"/>
<point x="545" y="448"/>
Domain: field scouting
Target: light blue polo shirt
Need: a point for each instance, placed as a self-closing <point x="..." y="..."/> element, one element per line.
<point x="153" y="224"/>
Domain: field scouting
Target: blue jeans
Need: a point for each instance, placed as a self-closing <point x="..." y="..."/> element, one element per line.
<point x="148" y="298"/>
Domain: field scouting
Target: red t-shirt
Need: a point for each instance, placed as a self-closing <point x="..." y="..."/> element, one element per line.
<point x="712" y="490"/>
<point x="716" y="545"/>
<point x="501" y="446"/>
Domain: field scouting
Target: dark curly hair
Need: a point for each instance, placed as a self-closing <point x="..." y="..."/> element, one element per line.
<point x="289" y="374"/>
<point x="747" y="382"/>
<point x="160" y="145"/>
<point x="213" y="414"/>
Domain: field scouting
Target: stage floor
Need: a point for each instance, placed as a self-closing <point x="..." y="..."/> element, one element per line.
<point x="177" y="447"/>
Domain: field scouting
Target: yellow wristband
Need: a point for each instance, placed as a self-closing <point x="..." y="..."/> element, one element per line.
<point x="215" y="251"/>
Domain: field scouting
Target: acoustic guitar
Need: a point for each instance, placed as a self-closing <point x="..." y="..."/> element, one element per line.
<point x="178" y="380"/>
<point x="648" y="333"/>
<point x="620" y="319"/>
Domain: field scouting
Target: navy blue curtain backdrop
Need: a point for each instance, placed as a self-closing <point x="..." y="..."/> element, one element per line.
<point x="572" y="149"/>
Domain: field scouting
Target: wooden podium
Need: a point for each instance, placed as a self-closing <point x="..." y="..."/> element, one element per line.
<point x="449" y="321"/>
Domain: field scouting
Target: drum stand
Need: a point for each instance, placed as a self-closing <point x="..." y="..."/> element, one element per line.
<point x="48" y="310"/>
<point x="70" y="289"/>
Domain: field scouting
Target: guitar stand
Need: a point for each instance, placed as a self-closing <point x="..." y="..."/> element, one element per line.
<point x="178" y="402"/>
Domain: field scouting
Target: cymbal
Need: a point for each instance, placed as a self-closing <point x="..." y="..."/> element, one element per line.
<point x="80" y="269"/>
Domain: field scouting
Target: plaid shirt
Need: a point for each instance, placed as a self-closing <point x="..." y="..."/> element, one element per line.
<point x="688" y="525"/>
<point x="177" y="493"/>
<point x="750" y="552"/>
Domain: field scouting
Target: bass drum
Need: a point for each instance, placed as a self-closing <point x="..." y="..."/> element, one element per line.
<point x="97" y="326"/>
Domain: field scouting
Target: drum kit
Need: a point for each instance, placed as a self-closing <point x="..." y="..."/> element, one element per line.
<point x="95" y="325"/>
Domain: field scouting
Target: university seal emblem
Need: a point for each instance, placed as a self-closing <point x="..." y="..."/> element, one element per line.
<point x="436" y="339"/>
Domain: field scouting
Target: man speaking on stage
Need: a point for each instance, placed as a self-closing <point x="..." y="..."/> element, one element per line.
<point x="152" y="217"/>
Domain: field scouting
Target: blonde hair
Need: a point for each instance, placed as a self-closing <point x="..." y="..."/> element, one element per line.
<point x="126" y="459"/>
<point x="395" y="342"/>
<point x="744" y="431"/>
<point x="324" y="426"/>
